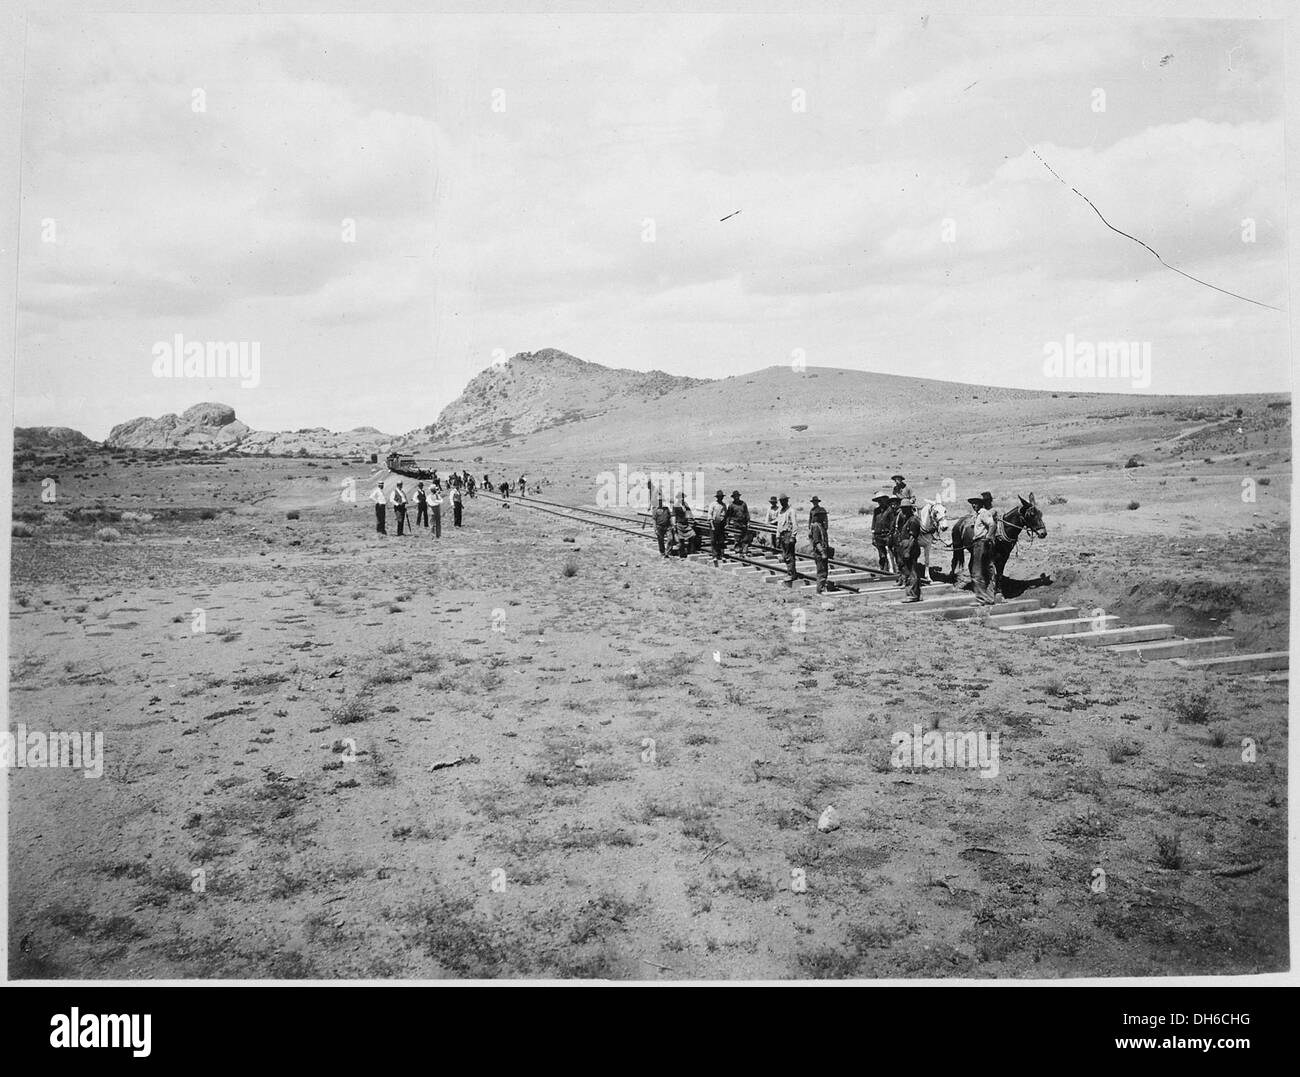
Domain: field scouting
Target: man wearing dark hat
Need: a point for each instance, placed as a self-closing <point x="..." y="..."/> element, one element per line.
<point x="882" y="521"/>
<point x="785" y="536"/>
<point x="981" y="548"/>
<point x="820" y="543"/>
<point x="773" y="513"/>
<point x="663" y="518"/>
<point x="909" y="547"/>
<point x="738" y="520"/>
<point x="421" y="506"/>
<point x="901" y="489"/>
<point x="718" y="526"/>
<point x="895" y="519"/>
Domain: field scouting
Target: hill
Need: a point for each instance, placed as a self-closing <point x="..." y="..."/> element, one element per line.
<point x="536" y="391"/>
<point x="49" y="439"/>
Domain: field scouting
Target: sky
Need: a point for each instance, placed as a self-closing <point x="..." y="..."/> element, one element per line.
<point x="385" y="205"/>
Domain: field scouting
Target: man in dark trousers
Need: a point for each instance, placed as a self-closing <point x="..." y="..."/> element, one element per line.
<point x="820" y="544"/>
<point x="436" y="523"/>
<point x="456" y="506"/>
<point x="380" y="499"/>
<point x="718" y="526"/>
<point x="738" y="520"/>
<point x="421" y="506"/>
<point x="909" y="548"/>
<point x="881" y="522"/>
<point x="399" y="507"/>
<point x="895" y="520"/>
<point x="663" y="518"/>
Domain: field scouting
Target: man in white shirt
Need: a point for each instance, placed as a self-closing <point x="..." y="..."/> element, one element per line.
<point x="785" y="536"/>
<point x="380" y="499"/>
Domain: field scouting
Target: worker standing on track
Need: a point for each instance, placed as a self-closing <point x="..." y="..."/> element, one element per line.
<point x="523" y="486"/>
<point x="456" y="506"/>
<point x="909" y="548"/>
<point x="981" y="550"/>
<point x="718" y="526"/>
<point x="436" y="523"/>
<point x="785" y="536"/>
<point x="895" y="519"/>
<point x="738" y="518"/>
<point x="380" y="499"/>
<point x="770" y="518"/>
<point x="821" y="548"/>
<point x="663" y="522"/>
<point x="881" y="522"/>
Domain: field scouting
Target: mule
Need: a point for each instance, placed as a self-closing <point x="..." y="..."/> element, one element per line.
<point x="1024" y="517"/>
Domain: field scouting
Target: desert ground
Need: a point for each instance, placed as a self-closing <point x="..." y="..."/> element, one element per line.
<point x="533" y="748"/>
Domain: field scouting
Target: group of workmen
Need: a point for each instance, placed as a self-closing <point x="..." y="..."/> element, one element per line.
<point x="897" y="532"/>
<point x="676" y="534"/>
<point x="428" y="500"/>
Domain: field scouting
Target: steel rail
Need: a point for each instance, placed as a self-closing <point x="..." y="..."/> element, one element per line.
<point x="566" y="512"/>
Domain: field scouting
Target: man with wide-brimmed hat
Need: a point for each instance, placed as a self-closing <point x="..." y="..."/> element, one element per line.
<point x="882" y="520"/>
<point x="718" y="526"/>
<point x="738" y="521"/>
<point x="895" y="519"/>
<point x="909" y="547"/>
<point x="981" y="548"/>
<point x="820" y="543"/>
<point x="901" y="489"/>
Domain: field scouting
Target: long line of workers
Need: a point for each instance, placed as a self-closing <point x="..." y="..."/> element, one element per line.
<point x="897" y="533"/>
<point x="428" y="500"/>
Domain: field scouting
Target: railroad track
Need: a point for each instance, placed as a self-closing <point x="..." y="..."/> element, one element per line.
<point x="1022" y="616"/>
<point x="849" y="573"/>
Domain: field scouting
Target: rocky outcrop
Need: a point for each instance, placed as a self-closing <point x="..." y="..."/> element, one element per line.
<point x="215" y="428"/>
<point x="537" y="390"/>
<point x="204" y="426"/>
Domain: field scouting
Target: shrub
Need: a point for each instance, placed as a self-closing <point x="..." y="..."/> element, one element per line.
<point x="22" y="530"/>
<point x="1121" y="749"/>
<point x="108" y="534"/>
<point x="570" y="567"/>
<point x="1193" y="707"/>
<point x="1169" y="852"/>
<point x="1134" y="505"/>
<point x="207" y="514"/>
<point x="1133" y="462"/>
<point x="294" y="515"/>
<point x="351" y="711"/>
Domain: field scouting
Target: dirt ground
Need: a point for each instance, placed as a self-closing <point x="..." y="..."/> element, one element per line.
<point x="534" y="749"/>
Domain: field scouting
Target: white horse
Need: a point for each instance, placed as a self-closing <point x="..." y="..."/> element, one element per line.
<point x="934" y="522"/>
